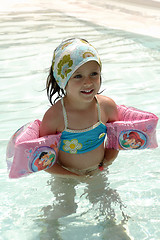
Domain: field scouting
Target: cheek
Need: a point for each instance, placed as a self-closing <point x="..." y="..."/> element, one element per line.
<point x="73" y="85"/>
<point x="98" y="82"/>
<point x="70" y="88"/>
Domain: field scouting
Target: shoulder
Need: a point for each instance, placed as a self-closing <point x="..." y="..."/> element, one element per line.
<point x="109" y="107"/>
<point x="51" y="120"/>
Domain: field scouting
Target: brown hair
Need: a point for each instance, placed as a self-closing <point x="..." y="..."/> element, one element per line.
<point x="53" y="88"/>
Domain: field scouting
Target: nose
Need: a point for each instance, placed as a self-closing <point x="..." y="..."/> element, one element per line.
<point x="87" y="81"/>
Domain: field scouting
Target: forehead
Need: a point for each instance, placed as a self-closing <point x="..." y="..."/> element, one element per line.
<point x="91" y="65"/>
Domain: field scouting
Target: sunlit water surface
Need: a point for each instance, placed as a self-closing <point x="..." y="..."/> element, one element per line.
<point x="118" y="204"/>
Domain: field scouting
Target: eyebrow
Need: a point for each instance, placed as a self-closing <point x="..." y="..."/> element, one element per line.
<point x="76" y="73"/>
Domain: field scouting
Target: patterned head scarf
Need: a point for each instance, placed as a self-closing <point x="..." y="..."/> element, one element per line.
<point x="69" y="56"/>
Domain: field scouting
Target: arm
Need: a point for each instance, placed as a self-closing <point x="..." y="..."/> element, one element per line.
<point x="109" y="157"/>
<point x="49" y="126"/>
<point x="112" y="111"/>
<point x="112" y="114"/>
<point x="49" y="123"/>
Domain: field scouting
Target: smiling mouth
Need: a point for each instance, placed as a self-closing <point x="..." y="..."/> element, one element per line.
<point x="87" y="91"/>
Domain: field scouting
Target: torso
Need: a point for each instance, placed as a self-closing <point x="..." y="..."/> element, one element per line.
<point x="84" y="161"/>
<point x="91" y="158"/>
<point x="53" y="123"/>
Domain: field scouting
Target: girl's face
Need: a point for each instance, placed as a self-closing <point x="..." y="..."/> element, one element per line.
<point x="85" y="82"/>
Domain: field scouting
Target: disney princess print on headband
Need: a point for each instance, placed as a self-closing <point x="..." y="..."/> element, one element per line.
<point x="69" y="56"/>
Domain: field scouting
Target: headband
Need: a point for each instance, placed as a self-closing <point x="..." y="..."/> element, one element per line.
<point x="69" y="56"/>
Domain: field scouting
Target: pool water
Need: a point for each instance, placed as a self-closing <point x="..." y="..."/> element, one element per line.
<point x="120" y="203"/>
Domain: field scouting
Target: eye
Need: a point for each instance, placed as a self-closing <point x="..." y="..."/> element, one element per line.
<point x="78" y="76"/>
<point x="94" y="74"/>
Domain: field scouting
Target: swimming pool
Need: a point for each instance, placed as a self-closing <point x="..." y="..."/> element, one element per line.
<point x="122" y="203"/>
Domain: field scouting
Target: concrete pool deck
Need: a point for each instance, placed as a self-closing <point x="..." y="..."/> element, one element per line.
<point x="137" y="16"/>
<point x="132" y="15"/>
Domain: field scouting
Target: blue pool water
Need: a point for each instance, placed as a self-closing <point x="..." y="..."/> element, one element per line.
<point x="120" y="203"/>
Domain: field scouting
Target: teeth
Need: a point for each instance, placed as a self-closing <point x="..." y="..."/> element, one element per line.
<point x="87" y="91"/>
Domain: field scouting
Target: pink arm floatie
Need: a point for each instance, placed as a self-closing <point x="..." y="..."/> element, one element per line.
<point x="27" y="153"/>
<point x="135" y="129"/>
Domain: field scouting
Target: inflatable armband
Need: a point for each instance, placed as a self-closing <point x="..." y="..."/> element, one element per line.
<point x="27" y="153"/>
<point x="135" y="129"/>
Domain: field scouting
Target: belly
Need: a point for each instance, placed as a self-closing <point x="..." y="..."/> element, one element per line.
<point x="82" y="161"/>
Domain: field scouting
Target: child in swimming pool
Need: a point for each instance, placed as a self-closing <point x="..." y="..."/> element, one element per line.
<point x="81" y="113"/>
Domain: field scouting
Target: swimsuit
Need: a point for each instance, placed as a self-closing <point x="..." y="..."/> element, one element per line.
<point x="82" y="141"/>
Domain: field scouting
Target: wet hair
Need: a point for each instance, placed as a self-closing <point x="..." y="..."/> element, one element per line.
<point x="51" y="85"/>
<point x="53" y="88"/>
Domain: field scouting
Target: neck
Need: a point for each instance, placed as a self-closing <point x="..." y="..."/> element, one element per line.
<point x="76" y="105"/>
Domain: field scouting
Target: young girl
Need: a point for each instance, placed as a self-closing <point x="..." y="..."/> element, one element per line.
<point x="81" y="113"/>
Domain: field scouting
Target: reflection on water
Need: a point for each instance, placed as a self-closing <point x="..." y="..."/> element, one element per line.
<point x="83" y="205"/>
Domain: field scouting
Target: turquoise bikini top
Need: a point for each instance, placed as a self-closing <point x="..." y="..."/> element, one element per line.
<point x="82" y="141"/>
